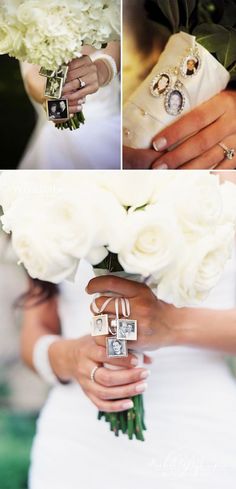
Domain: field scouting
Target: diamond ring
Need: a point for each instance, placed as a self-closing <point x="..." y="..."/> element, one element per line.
<point x="82" y="83"/>
<point x="228" y="152"/>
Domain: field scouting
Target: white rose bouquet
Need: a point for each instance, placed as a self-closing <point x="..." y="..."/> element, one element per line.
<point x="198" y="61"/>
<point x="51" y="33"/>
<point x="174" y="233"/>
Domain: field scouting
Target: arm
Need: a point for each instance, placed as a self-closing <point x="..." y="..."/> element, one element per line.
<point x="162" y="324"/>
<point x="75" y="359"/>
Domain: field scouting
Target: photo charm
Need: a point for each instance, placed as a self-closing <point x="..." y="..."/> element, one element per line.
<point x="175" y="100"/>
<point x="160" y="84"/>
<point x="46" y="73"/>
<point x="116" y="348"/>
<point x="190" y="65"/>
<point x="62" y="72"/>
<point x="100" y="325"/>
<point x="127" y="329"/>
<point x="57" y="110"/>
<point x="54" y="87"/>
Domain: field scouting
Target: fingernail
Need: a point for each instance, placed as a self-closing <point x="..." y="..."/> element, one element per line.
<point x="127" y="405"/>
<point x="134" y="362"/>
<point x="141" y="387"/>
<point x="145" y="374"/>
<point x="79" y="108"/>
<point x="159" y="144"/>
<point x="162" y="166"/>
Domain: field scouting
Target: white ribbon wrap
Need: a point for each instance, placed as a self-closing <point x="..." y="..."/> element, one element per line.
<point x="145" y="115"/>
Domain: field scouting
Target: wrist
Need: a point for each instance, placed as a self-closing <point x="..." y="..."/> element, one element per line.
<point x="103" y="72"/>
<point x="60" y="359"/>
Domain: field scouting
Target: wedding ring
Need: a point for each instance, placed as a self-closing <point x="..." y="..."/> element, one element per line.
<point x="228" y="152"/>
<point x="93" y="372"/>
<point x="82" y="83"/>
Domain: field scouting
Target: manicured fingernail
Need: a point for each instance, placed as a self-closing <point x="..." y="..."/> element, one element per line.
<point x="162" y="166"/>
<point x="127" y="405"/>
<point x="160" y="144"/>
<point x="79" y="108"/>
<point x="145" y="374"/>
<point x="134" y="362"/>
<point x="141" y="387"/>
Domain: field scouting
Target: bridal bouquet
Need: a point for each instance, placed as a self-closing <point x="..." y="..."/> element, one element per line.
<point x="51" y="33"/>
<point x="174" y="233"/>
<point x="196" y="64"/>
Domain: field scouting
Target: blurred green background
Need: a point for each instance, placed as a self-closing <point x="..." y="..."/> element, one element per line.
<point x="17" y="115"/>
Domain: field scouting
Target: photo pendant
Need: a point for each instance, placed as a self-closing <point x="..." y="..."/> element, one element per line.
<point x="175" y="100"/>
<point x="116" y="348"/>
<point x="190" y="64"/>
<point x="160" y="84"/>
<point x="100" y="325"/>
<point x="127" y="329"/>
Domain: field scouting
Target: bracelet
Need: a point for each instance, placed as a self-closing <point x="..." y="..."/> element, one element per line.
<point x="110" y="64"/>
<point x="41" y="360"/>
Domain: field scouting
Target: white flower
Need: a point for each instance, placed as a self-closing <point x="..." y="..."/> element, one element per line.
<point x="132" y="189"/>
<point x="198" y="268"/>
<point x="196" y="201"/>
<point x="50" y="33"/>
<point x="152" y="242"/>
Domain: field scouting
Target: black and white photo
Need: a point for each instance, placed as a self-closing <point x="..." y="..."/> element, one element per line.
<point x="174" y="102"/>
<point x="54" y="87"/>
<point x="100" y="326"/>
<point x="57" y="110"/>
<point x="116" y="348"/>
<point x="127" y="329"/>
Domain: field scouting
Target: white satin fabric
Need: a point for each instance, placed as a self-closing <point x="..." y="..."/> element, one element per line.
<point x="145" y="115"/>
<point x="95" y="145"/>
<point x="190" y="414"/>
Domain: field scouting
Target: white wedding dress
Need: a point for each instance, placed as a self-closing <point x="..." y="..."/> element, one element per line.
<point x="190" y="414"/>
<point x="95" y="145"/>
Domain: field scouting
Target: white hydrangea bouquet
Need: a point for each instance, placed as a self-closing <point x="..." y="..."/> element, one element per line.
<point x="51" y="33"/>
<point x="175" y="233"/>
<point x="198" y="62"/>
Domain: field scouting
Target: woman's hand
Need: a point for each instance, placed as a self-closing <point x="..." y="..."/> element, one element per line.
<point x="158" y="322"/>
<point x="197" y="136"/>
<point x="138" y="159"/>
<point x="112" y="389"/>
<point x="85" y="70"/>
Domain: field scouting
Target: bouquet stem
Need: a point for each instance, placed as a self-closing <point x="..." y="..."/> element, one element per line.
<point x="129" y="422"/>
<point x="73" y="123"/>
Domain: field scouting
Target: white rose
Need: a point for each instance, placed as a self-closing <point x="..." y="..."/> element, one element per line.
<point x="198" y="268"/>
<point x="132" y="189"/>
<point x="10" y="39"/>
<point x="196" y="201"/>
<point x="41" y="258"/>
<point x="151" y="241"/>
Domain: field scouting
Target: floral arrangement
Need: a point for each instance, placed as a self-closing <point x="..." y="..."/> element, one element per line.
<point x="50" y="34"/>
<point x="175" y="233"/>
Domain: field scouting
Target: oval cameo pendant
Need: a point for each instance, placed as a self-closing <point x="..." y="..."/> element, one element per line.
<point x="160" y="84"/>
<point x="175" y="100"/>
<point x="190" y="65"/>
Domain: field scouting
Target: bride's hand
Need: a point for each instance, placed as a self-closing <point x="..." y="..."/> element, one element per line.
<point x="159" y="324"/>
<point x="197" y="136"/>
<point x="112" y="389"/>
<point x="85" y="71"/>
